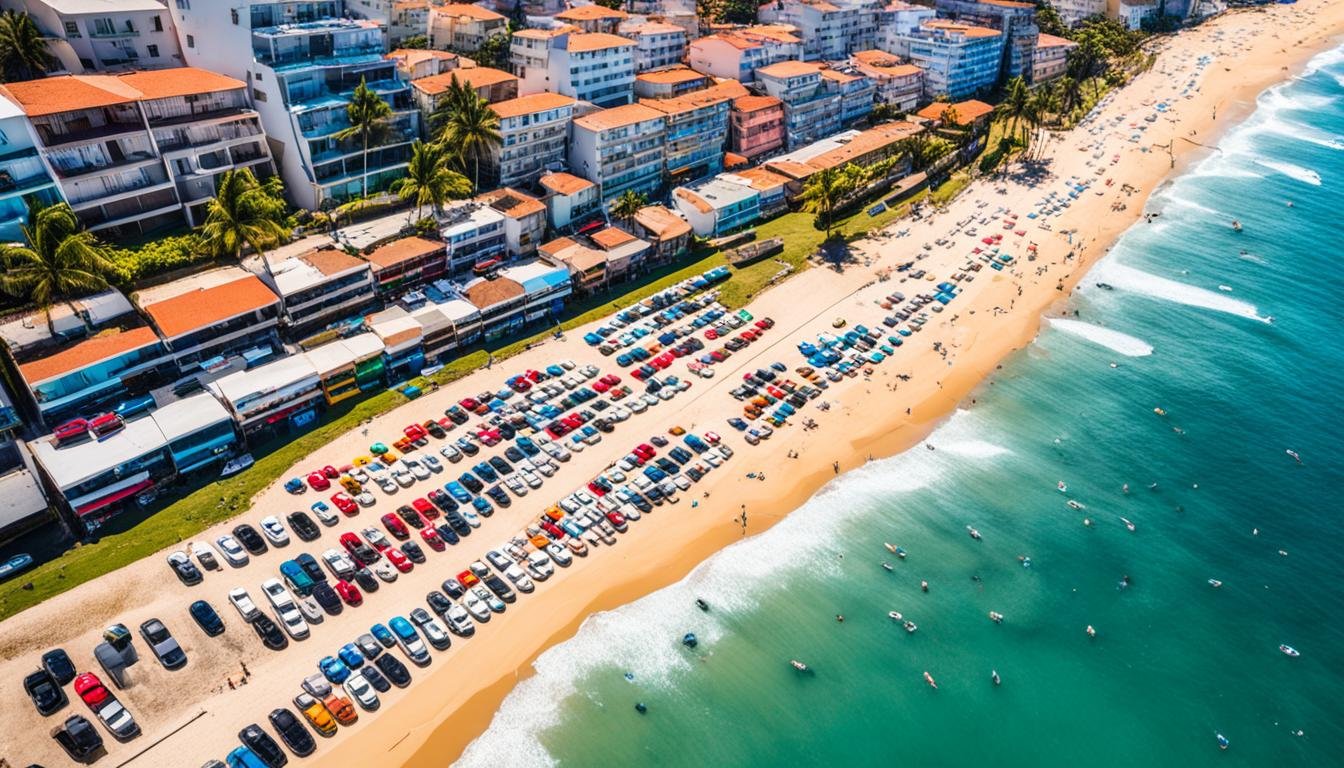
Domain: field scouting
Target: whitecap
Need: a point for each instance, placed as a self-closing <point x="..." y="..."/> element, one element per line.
<point x="1114" y="340"/>
<point x="1297" y="172"/>
<point x="1137" y="281"/>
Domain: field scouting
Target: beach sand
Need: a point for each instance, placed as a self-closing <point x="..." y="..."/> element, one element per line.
<point x="192" y="715"/>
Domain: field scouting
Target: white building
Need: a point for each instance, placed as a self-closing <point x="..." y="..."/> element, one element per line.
<point x="620" y="149"/>
<point x="588" y="66"/>
<point x="1050" y="58"/>
<point x="569" y="198"/>
<point x="1074" y="11"/>
<point x="830" y="29"/>
<point x="899" y="83"/>
<point x="959" y="60"/>
<point x="534" y="131"/>
<point x="317" y="282"/>
<point x="105" y="35"/>
<point x="898" y="19"/>
<point x="718" y="206"/>
<point x="401" y="18"/>
<point x="463" y="27"/>
<point x="1131" y="13"/>
<point x="475" y="235"/>
<point x="657" y="44"/>
<point x="738" y="53"/>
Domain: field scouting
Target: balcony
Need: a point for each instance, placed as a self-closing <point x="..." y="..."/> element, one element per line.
<point x="89" y="169"/>
<point x="54" y="140"/>
<point x="113" y="213"/>
<point x="113" y="187"/>
<point x="222" y="113"/>
<point x="114" y="34"/>
<point x="177" y="140"/>
<point x="291" y="60"/>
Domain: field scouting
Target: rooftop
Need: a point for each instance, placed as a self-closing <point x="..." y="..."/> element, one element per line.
<point x="580" y="42"/>
<point x="475" y="12"/>
<point x="65" y="93"/>
<point x="967" y="30"/>
<point x="71" y="465"/>
<point x="884" y="64"/>
<point x="32" y="329"/>
<point x="662" y="222"/>
<point x="95" y="349"/>
<point x="581" y="258"/>
<point x="753" y="103"/>
<point x="512" y="203"/>
<point x="76" y="7"/>
<point x="965" y="111"/>
<point x="671" y="76"/>
<point x="1051" y="41"/>
<point x="311" y="268"/>
<point x="715" y="94"/>
<point x="565" y="183"/>
<point x="840" y="77"/>
<point x="866" y="141"/>
<point x="532" y="103"/>
<point x="651" y="28"/>
<point x="553" y="247"/>
<point x="487" y="293"/>
<point x="413" y="56"/>
<point x="476" y="77"/>
<point x="285" y="372"/>
<point x="611" y="237"/>
<point x="405" y="249"/>
<point x="787" y="69"/>
<point x="590" y="13"/>
<point x="204" y="306"/>
<point x="759" y="179"/>
<point x="617" y="117"/>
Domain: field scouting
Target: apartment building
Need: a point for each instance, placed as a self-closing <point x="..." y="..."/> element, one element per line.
<point x="24" y="177"/>
<point x="1074" y="11"/>
<point x="668" y="234"/>
<point x="105" y="36"/>
<point x="756" y="126"/>
<point x="534" y="130"/>
<point x="491" y="84"/>
<point x="620" y="149"/>
<point x="524" y="219"/>
<point x="23" y="502"/>
<point x="318" y="284"/>
<point x="588" y="66"/>
<point x="401" y="18"/>
<point x="696" y="129"/>
<point x="592" y="18"/>
<point x="666" y="83"/>
<point x="1050" y="58"/>
<point x="897" y="19"/>
<point x="276" y="398"/>
<point x="830" y="29"/>
<point x="306" y="60"/>
<point x="415" y="63"/>
<point x="474" y="232"/>
<point x="718" y="207"/>
<point x="897" y="83"/>
<point x="772" y="188"/>
<point x="211" y="316"/>
<point x="856" y="90"/>
<point x="462" y="27"/>
<point x="811" y="109"/>
<point x="737" y="54"/>
<point x="137" y="152"/>
<point x="657" y="44"/>
<point x="1016" y="20"/>
<point x="569" y="199"/>
<point x="1132" y="13"/>
<point x="958" y="60"/>
<point x="513" y="296"/>
<point x="407" y="263"/>
<point x="859" y="147"/>
<point x="81" y="377"/>
<point x="346" y="367"/>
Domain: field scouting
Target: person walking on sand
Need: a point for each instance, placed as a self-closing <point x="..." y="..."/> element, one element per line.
<point x="835" y="465"/>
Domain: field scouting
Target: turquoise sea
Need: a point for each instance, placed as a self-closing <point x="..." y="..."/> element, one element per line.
<point x="1175" y="660"/>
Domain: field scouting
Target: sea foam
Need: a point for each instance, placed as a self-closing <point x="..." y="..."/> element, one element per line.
<point x="1127" y="278"/>
<point x="1123" y="343"/>
<point x="1304" y="175"/>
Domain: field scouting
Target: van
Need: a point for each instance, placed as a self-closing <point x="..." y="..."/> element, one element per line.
<point x="296" y="578"/>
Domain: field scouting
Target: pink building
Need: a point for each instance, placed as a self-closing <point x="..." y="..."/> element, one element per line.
<point x="756" y="125"/>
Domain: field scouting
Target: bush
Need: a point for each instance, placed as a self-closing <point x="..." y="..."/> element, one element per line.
<point x="156" y="258"/>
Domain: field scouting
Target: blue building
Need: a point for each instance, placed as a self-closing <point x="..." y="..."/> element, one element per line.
<point x="959" y="60"/>
<point x="23" y="174"/>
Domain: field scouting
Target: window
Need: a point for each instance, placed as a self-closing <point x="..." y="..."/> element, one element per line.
<point x="103" y="27"/>
<point x="158" y="24"/>
<point x="153" y="51"/>
<point x="191" y="41"/>
<point x="72" y="29"/>
<point x="258" y="95"/>
<point x="233" y="12"/>
<point x="184" y="5"/>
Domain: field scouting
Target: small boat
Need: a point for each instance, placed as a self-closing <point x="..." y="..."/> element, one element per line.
<point x="1236" y="225"/>
<point x="1289" y="650"/>
<point x="895" y="616"/>
<point x="1293" y="453"/>
<point x="887" y="566"/>
<point x="994" y="675"/>
<point x="1225" y="288"/>
<point x="640" y="708"/>
<point x="1215" y="583"/>
<point x="890" y="547"/>
<point x="900" y="553"/>
<point x="798" y="665"/>
<point x="1159" y="412"/>
<point x="701" y="604"/>
<point x="1223" y="743"/>
<point x="689" y="640"/>
<point x="996" y="617"/>
<point x="1062" y="487"/>
<point x="14" y="565"/>
<point x="1106" y="286"/>
<point x="1075" y="504"/>
<point x="910" y="626"/>
<point x="974" y="533"/>
<point x="1087" y="521"/>
<point x="1128" y="524"/>
<point x="1091" y="631"/>
<point x="924" y="586"/>
<point x="237" y="464"/>
<point x="929" y="679"/>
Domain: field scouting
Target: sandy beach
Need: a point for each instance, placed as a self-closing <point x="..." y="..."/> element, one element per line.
<point x="193" y="714"/>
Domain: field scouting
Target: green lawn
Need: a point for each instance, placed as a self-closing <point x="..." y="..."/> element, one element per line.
<point x="179" y="521"/>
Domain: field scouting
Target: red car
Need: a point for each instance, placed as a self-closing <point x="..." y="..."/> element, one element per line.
<point x="395" y="527"/>
<point x="358" y="549"/>
<point x="91" y="690"/>
<point x="414" y="432"/>
<point x="551" y="530"/>
<point x="344" y="503"/>
<point x="348" y="592"/>
<point x="318" y="482"/>
<point x="469" y="404"/>
<point x="748" y="335"/>
<point x="617" y="520"/>
<point x="645" y="451"/>
<point x="533" y="376"/>
<point x="711" y="437"/>
<point x="711" y="334"/>
<point x="330" y="472"/>
<point x="489" y="436"/>
<point x="600" y="386"/>
<point x="71" y="430"/>
<point x="611" y="379"/>
<point x="426" y="510"/>
<point x="432" y="538"/>
<point x="400" y="560"/>
<point x="467" y="579"/>
<point x="596" y="489"/>
<point x="447" y="424"/>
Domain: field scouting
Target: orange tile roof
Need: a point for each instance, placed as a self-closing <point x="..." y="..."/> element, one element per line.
<point x="526" y="105"/>
<point x="405" y="249"/>
<point x="762" y="178"/>
<point x="488" y="293"/>
<point x="839" y="77"/>
<point x="476" y="77"/>
<point x="867" y="141"/>
<point x="780" y="33"/>
<point x="204" y="307"/>
<point x="1051" y="41"/>
<point x="591" y="13"/>
<point x="65" y="93"/>
<point x="581" y="258"/>
<point x="741" y="43"/>
<point x="612" y="237"/>
<point x="512" y="203"/>
<point x="92" y="350"/>
<point x="416" y="55"/>
<point x="557" y="245"/>
<point x="651" y="28"/>
<point x="688" y="102"/>
<point x="616" y="117"/>
<point x="789" y="69"/>
<point x="565" y="183"/>
<point x="475" y="12"/>
<point x="965" y="29"/>
<point x="671" y="76"/>
<point x="756" y="103"/>
<point x="884" y="64"/>
<point x="580" y="42"/>
<point x="791" y="169"/>
<point x="661" y="222"/>
<point x="696" y="201"/>
<point x="179" y="81"/>
<point x="330" y="261"/>
<point x="966" y="111"/>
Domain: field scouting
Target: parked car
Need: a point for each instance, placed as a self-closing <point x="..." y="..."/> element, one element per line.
<point x="315" y="713"/>
<point x="270" y="633"/>
<point x="114" y="717"/>
<point x="250" y="539"/>
<point x="45" y="693"/>
<point x="205" y="616"/>
<point x="185" y="570"/>
<point x="303" y="526"/>
<point x="79" y="739"/>
<point x="292" y="732"/>
<point x="164" y="645"/>
<point x="274" y="531"/>
<point x="57" y="663"/>
<point x="265" y="747"/>
<point x="393" y="669"/>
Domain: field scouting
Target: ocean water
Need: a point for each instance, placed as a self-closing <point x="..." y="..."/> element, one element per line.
<point x="1239" y="338"/>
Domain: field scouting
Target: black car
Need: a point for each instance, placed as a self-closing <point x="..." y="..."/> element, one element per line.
<point x="659" y="441"/>
<point x="165" y="647"/>
<point x="435" y="429"/>
<point x="442" y="500"/>
<point x="327" y="598"/>
<point x="259" y="741"/>
<point x="501" y="466"/>
<point x="303" y="526"/>
<point x="411" y="517"/>
<point x="437" y="602"/>
<point x="472" y="484"/>
<point x="507" y="431"/>
<point x="458" y="523"/>
<point x="498" y="586"/>
<point x="185" y="570"/>
<point x="498" y="494"/>
<point x="447" y="533"/>
<point x="270" y="634"/>
<point x="457" y="415"/>
<point x="46" y="694"/>
<point x="292" y="732"/>
<point x="680" y="455"/>
<point x="80" y="740"/>
<point x="366" y="580"/>
<point x="603" y="425"/>
<point x="693" y="473"/>
<point x="207" y="618"/>
<point x="466" y="446"/>
<point x="667" y="465"/>
<point x="394" y="669"/>
<point x="311" y="567"/>
<point x="641" y="503"/>
<point x="375" y="678"/>
<point x="413" y="551"/>
<point x="59" y="666"/>
<point x="250" y="539"/>
<point x="453" y="588"/>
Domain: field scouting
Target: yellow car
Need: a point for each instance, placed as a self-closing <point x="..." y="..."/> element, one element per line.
<point x="676" y="431"/>
<point x="361" y="461"/>
<point x="351" y="485"/>
<point x="317" y="714"/>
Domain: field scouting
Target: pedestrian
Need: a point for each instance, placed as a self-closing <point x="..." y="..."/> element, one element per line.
<point x="245" y="672"/>
<point x="836" y="466"/>
<point x="231" y="686"/>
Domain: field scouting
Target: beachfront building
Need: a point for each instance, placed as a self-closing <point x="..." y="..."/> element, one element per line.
<point x="626" y="254"/>
<point x="830" y="29"/>
<point x="756" y="126"/>
<point x="1050" y="58"/>
<point x="963" y="114"/>
<point x="737" y="54"/>
<point x="696" y="129"/>
<point x="415" y="63"/>
<point x="669" y="235"/>
<point x="107" y="36"/>
<point x="620" y="149"/>
<point x="592" y="18"/>
<point x="402" y="339"/>
<point x="669" y="82"/>
<point x="958" y="60"/>
<point x="406" y="263"/>
<point x="569" y="199"/>
<point x="474" y="233"/>
<point x="25" y="181"/>
<point x="811" y="110"/>
<point x="491" y="84"/>
<point x="897" y="83"/>
<point x="657" y="44"/>
<point x="401" y="18"/>
<point x="524" y="219"/>
<point x="462" y="27"/>
<point x="534" y="132"/>
<point x="272" y="399"/>
<point x="306" y="60"/>
<point x="346" y="367"/>
<point x="317" y="282"/>
<point x="139" y="151"/>
<point x="1071" y="12"/>
<point x="211" y="316"/>
<point x="588" y="66"/>
<point x="856" y="91"/>
<point x="897" y="19"/>
<point x="23" y="502"/>
<point x="772" y="188"/>
<point x="516" y="295"/>
<point x="586" y="264"/>
<point x="717" y="206"/>
<point x="1015" y="20"/>
<point x="859" y="147"/>
<point x="1132" y="13"/>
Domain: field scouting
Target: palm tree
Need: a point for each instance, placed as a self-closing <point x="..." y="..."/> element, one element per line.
<point x="61" y="259"/>
<point x="23" y="51"/>
<point x="243" y="212"/>
<point x="627" y="205"/>
<point x="469" y="126"/>
<point x="822" y="192"/>
<point x="457" y="97"/>
<point x="429" y="180"/>
<point x="1016" y="104"/>
<point x="369" y="120"/>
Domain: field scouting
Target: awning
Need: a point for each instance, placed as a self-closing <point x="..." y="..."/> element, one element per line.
<point x="113" y="498"/>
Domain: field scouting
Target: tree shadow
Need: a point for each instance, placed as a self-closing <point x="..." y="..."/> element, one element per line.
<point x="835" y="253"/>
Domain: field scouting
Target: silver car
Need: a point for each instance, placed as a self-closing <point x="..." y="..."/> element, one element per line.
<point x="232" y="551"/>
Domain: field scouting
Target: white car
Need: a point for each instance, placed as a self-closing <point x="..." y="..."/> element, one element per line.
<point x="530" y="478"/>
<point x="431" y="628"/>
<point x="384" y="570"/>
<point x="358" y="475"/>
<point x="322" y="511"/>
<point x="417" y="469"/>
<point x="232" y="551"/>
<point x="681" y="482"/>
<point x="386" y="483"/>
<point x="357" y="688"/>
<point x="559" y="554"/>
<point x="615" y="475"/>
<point x="724" y="451"/>
<point x="339" y="563"/>
<point x="286" y="610"/>
<point x="274" y="531"/>
<point x="627" y="464"/>
<point x="519" y="578"/>
<point x="637" y="405"/>
<point x="451" y="453"/>
<point x="310" y="609"/>
<point x="473" y="519"/>
<point x="593" y="439"/>
<point x="376" y="538"/>
<point x="515" y="484"/>
<point x="365" y="499"/>
<point x="403" y="476"/>
<point x="589" y="371"/>
<point x="486" y="596"/>
<point x="665" y="393"/>
<point x="243" y="602"/>
<point x="576" y="442"/>
<point x="546" y="468"/>
<point x="476" y="606"/>
<point x="711" y="458"/>
<point x="459" y="622"/>
<point x="649" y="399"/>
<point x="431" y="463"/>
<point x="619" y="413"/>
<point x="567" y="364"/>
<point x="630" y="511"/>
<point x="539" y="566"/>
<point x="205" y="555"/>
<point x="583" y="497"/>
<point x="554" y="451"/>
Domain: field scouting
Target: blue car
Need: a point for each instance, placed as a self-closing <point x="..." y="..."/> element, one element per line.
<point x="485" y="472"/>
<point x="456" y="490"/>
<point x="696" y="444"/>
<point x="737" y="424"/>
<point x="655" y="474"/>
<point x="351" y="656"/>
<point x="383" y="635"/>
<point x="571" y="527"/>
<point x="483" y="506"/>
<point x="528" y="447"/>
<point x="243" y="757"/>
<point x="294" y="485"/>
<point x="555" y="370"/>
<point x="334" y="669"/>
<point x="407" y="635"/>
<point x="129" y="408"/>
<point x="592" y="339"/>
